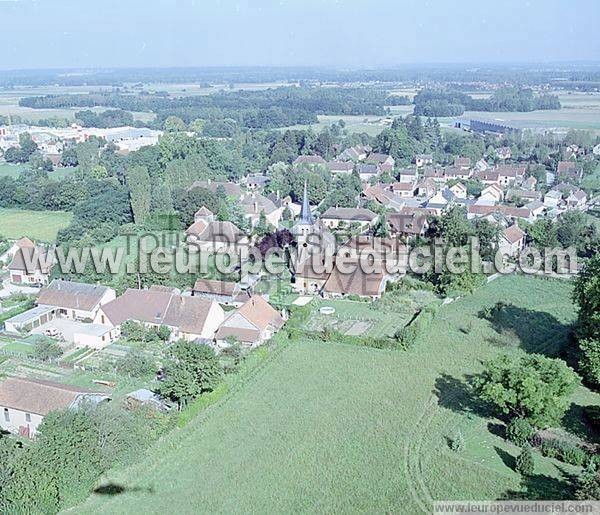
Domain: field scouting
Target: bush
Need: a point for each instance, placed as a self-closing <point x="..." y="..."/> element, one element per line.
<point x="524" y="464"/>
<point x="592" y="416"/>
<point x="564" y="451"/>
<point x="135" y="364"/>
<point x="457" y="443"/>
<point x="47" y="350"/>
<point x="133" y="331"/>
<point x="520" y="431"/>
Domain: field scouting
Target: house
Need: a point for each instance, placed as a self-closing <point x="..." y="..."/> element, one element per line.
<point x="529" y="184"/>
<point x="481" y="165"/>
<point x="77" y="301"/>
<point x="366" y="171"/>
<point x="215" y="236"/>
<point x="503" y="153"/>
<point x="457" y="172"/>
<point x="25" y="402"/>
<point x="404" y="189"/>
<point x="409" y="223"/>
<point x="204" y="214"/>
<point x="577" y="200"/>
<point x="464" y="163"/>
<point x="509" y="174"/>
<point x="523" y="194"/>
<point x="31" y="266"/>
<point x="512" y="241"/>
<point x="459" y="189"/>
<point x="384" y="162"/>
<point x="569" y="170"/>
<point x="340" y="167"/>
<point x="357" y="282"/>
<point x="488" y="177"/>
<point x="253" y="323"/>
<point x="440" y="201"/>
<point x="335" y="217"/>
<point x="311" y="274"/>
<point x="493" y="193"/>
<point x="223" y="292"/>
<point x="423" y="159"/>
<point x="355" y="153"/>
<point x="254" y="204"/>
<point x="22" y="243"/>
<point x="231" y="189"/>
<point x="537" y="208"/>
<point x="426" y="188"/>
<point x="312" y="160"/>
<point x="408" y="175"/>
<point x="189" y="318"/>
<point x="552" y="199"/>
<point x="256" y="181"/>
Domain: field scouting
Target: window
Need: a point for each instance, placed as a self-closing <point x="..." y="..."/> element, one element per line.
<point x="6" y="415"/>
<point x="28" y="417"/>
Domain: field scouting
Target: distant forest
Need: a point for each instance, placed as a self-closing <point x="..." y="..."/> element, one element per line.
<point x="266" y="109"/>
<point x="454" y="103"/>
<point x="584" y="76"/>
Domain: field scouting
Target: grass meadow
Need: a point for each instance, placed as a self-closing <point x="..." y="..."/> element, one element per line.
<point x="37" y="225"/>
<point x="338" y="428"/>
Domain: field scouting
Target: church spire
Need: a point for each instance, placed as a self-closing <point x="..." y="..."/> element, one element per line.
<point x="306" y="217"/>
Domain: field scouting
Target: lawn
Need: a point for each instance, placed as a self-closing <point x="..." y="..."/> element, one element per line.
<point x="18" y="347"/>
<point x="336" y="428"/>
<point x="38" y="225"/>
<point x="11" y="170"/>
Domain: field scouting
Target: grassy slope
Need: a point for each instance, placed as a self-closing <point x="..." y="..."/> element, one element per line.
<point x="38" y="225"/>
<point x="340" y="428"/>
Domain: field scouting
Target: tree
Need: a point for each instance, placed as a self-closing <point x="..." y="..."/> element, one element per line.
<point x="47" y="349"/>
<point x="138" y="181"/>
<point x="452" y="227"/>
<point x="262" y="227"/>
<point x="135" y="364"/>
<point x="533" y="387"/>
<point x="174" y="124"/>
<point x="588" y="486"/>
<point x="587" y="296"/>
<point x="193" y="369"/>
<point x="524" y="463"/>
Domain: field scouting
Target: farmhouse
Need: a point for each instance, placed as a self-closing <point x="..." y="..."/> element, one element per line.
<point x="251" y="324"/>
<point x="335" y="217"/>
<point x="512" y="241"/>
<point x="73" y="300"/>
<point x="30" y="265"/>
<point x="25" y="402"/>
<point x="223" y="292"/>
<point x="188" y="317"/>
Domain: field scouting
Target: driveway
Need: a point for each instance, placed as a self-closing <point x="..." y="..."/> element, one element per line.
<point x="8" y="289"/>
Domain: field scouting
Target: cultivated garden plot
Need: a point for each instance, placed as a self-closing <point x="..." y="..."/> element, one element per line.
<point x="358" y="318"/>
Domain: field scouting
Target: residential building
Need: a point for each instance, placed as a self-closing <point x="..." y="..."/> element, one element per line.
<point x="31" y="266"/>
<point x="336" y="217"/>
<point x="223" y="292"/>
<point x="512" y="241"/>
<point x="188" y="317"/>
<point x="25" y="402"/>
<point x="255" y="322"/>
<point x="73" y="300"/>
<point x="423" y="159"/>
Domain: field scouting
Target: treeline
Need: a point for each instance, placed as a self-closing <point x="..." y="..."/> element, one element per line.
<point x="496" y="74"/>
<point x="429" y="102"/>
<point x="270" y="108"/>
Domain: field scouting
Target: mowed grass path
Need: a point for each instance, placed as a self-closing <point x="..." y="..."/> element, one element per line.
<point x="38" y="225"/>
<point x="336" y="428"/>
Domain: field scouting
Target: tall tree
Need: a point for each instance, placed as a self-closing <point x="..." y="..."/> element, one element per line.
<point x="140" y="192"/>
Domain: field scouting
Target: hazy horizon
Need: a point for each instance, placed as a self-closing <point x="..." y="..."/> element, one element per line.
<point x="47" y="34"/>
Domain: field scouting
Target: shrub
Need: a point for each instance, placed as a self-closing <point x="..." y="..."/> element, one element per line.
<point x="47" y="349"/>
<point x="520" y="431"/>
<point x="524" y="464"/>
<point x="133" y="331"/>
<point x="592" y="416"/>
<point x="564" y="451"/>
<point x="457" y="443"/>
<point x="135" y="364"/>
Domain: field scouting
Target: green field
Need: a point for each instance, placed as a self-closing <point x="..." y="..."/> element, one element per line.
<point x="37" y="225"/>
<point x="335" y="428"/>
<point x="10" y="170"/>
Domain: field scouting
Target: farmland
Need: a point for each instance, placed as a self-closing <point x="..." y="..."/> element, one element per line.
<point x="38" y="225"/>
<point x="343" y="428"/>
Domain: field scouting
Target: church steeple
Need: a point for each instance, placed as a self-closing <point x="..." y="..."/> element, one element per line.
<point x="306" y="217"/>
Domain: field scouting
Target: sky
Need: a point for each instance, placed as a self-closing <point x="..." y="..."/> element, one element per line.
<point x="339" y="33"/>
